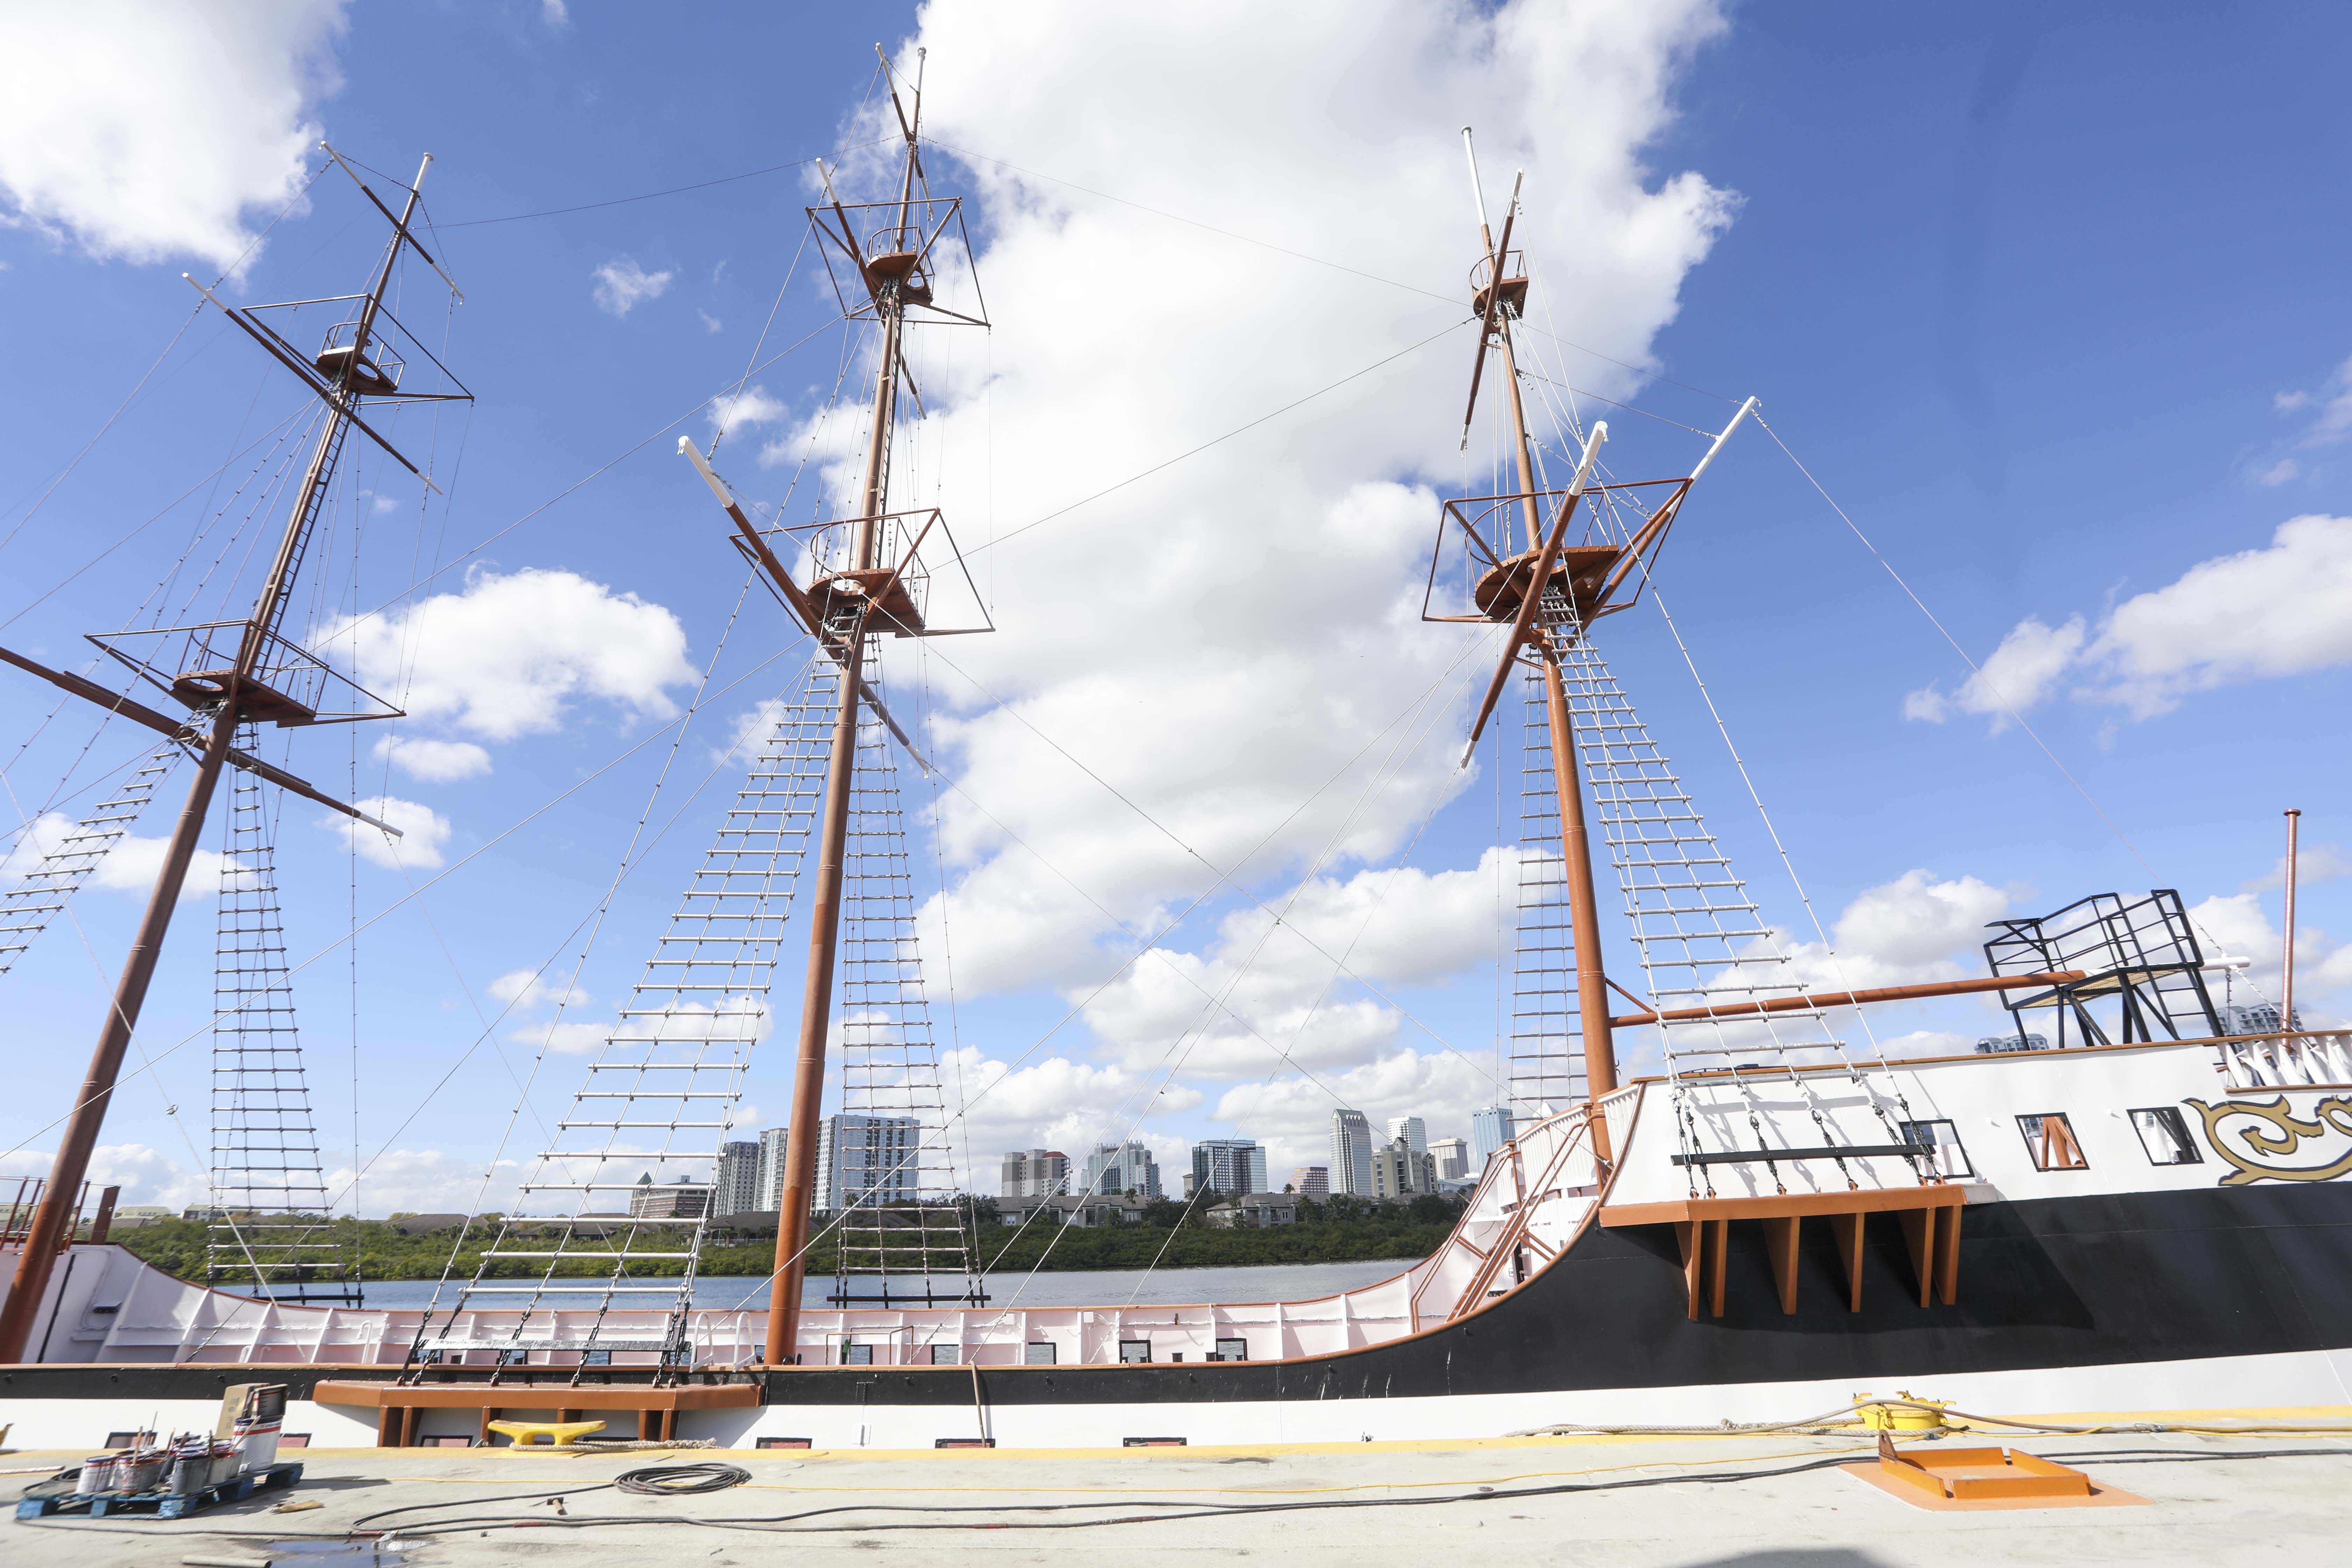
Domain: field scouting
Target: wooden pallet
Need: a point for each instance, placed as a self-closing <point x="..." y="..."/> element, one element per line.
<point x="163" y="1505"/>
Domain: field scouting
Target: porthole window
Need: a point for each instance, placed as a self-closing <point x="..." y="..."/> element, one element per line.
<point x="2050" y="1140"/>
<point x="1942" y="1139"/>
<point x="2164" y="1133"/>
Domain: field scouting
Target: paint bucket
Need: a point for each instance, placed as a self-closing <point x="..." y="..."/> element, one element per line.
<point x="192" y="1467"/>
<point x="140" y="1472"/>
<point x="97" y="1475"/>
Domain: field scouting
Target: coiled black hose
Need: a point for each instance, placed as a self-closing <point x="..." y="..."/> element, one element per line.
<point x="681" y="1480"/>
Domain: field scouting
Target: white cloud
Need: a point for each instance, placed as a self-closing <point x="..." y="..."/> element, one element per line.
<point x="555" y="14"/>
<point x="2314" y="863"/>
<point x="146" y="1175"/>
<point x="422" y="832"/>
<point x="436" y="762"/>
<point x="130" y="867"/>
<point x="2236" y="926"/>
<point x="528" y="989"/>
<point x="2255" y="615"/>
<point x="2331" y="425"/>
<point x="2270" y="476"/>
<point x="1908" y="932"/>
<point x="1283" y="563"/>
<point x="710" y="323"/>
<point x="500" y="657"/>
<point x="752" y="405"/>
<point x="621" y="284"/>
<point x="156" y="128"/>
<point x="2029" y="663"/>
<point x="426" y="1181"/>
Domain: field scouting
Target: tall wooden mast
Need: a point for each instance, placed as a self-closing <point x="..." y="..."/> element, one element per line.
<point x="1535" y="570"/>
<point x="264" y="679"/>
<point x="887" y="275"/>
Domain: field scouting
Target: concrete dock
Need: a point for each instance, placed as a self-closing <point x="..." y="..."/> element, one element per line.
<point x="1675" y="1503"/>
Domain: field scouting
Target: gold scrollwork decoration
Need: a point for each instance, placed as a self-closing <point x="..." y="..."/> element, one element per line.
<point x="2275" y="1134"/>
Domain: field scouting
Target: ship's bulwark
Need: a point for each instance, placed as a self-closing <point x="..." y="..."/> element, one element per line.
<point x="2052" y="1284"/>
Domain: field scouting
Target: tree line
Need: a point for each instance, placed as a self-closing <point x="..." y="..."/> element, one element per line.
<point x="1168" y="1233"/>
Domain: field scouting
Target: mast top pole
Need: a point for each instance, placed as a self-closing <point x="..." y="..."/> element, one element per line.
<point x="1477" y="192"/>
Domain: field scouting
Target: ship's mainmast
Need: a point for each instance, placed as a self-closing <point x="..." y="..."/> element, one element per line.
<point x="1549" y="590"/>
<point x="889" y="278"/>
<point x="226" y="675"/>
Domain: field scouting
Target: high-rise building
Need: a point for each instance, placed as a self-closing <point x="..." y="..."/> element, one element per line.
<point x="772" y="1169"/>
<point x="1395" y="1170"/>
<point x="1453" y="1157"/>
<point x="1412" y="1131"/>
<point x="1231" y="1166"/>
<point x="1311" y="1181"/>
<point x="1034" y="1173"/>
<point x="737" y="1190"/>
<point x="1115" y="1168"/>
<point x="1491" y="1129"/>
<point x="866" y="1159"/>
<point x="1351" y="1153"/>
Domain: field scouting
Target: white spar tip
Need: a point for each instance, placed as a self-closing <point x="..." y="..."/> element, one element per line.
<point x="693" y="454"/>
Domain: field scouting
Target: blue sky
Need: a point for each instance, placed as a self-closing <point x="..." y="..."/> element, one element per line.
<point x="2046" y="299"/>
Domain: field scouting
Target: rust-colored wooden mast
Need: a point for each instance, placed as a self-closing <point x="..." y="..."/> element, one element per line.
<point x="1576" y="851"/>
<point x="848" y="629"/>
<point x="59" y="1196"/>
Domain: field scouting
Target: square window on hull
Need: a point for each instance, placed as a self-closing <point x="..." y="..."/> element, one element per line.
<point x="2164" y="1134"/>
<point x="1037" y="1353"/>
<point x="2050" y="1141"/>
<point x="1942" y="1139"/>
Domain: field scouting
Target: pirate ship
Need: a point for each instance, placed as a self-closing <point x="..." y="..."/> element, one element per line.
<point x="2141" y="1215"/>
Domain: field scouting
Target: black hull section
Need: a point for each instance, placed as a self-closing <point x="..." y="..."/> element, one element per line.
<point x="2063" y="1282"/>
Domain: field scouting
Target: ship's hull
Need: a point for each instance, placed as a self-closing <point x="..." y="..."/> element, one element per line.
<point x="2118" y="1283"/>
<point x="2219" y="1298"/>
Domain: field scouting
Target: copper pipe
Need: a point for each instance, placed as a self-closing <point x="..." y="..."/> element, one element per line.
<point x="66" y="1176"/>
<point x="1584" y="908"/>
<point x="816" y="1018"/>
<point x="1852" y="998"/>
<point x="2286" y="977"/>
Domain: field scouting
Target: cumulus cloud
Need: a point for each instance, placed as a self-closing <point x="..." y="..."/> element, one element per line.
<point x="427" y="1181"/>
<point x="2236" y="925"/>
<point x="622" y="285"/>
<point x="528" y="988"/>
<point x="1908" y="932"/>
<point x="434" y="761"/>
<point x="422" y="832"/>
<point x="146" y="1175"/>
<point x="141" y="131"/>
<point x="752" y="405"/>
<point x="1283" y="563"/>
<point x="500" y="657"/>
<point x="2251" y="615"/>
<point x="131" y="866"/>
<point x="2020" y="674"/>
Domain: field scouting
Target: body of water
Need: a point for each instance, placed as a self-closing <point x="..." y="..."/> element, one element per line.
<point x="1079" y="1288"/>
